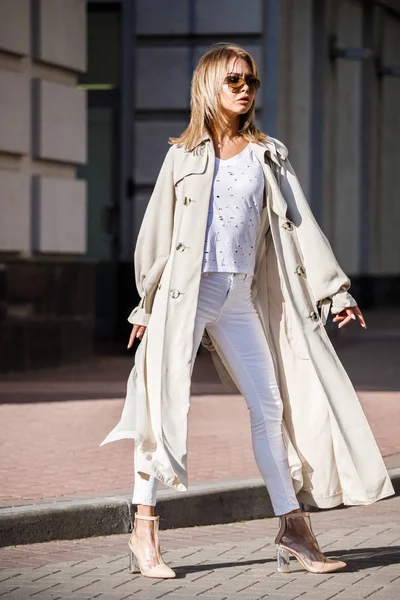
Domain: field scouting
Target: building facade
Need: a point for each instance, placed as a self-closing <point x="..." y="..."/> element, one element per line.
<point x="91" y="91"/>
<point x="46" y="315"/>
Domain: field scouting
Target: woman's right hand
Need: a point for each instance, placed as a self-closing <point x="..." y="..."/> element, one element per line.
<point x="137" y="332"/>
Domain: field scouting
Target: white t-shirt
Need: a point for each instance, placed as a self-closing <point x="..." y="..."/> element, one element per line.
<point x="234" y="214"/>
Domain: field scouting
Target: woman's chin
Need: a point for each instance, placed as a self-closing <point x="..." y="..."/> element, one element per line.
<point x="240" y="110"/>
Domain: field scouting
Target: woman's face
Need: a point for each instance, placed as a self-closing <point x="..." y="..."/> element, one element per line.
<point x="238" y="102"/>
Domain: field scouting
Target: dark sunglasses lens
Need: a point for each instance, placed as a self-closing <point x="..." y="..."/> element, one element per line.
<point x="253" y="83"/>
<point x="235" y="82"/>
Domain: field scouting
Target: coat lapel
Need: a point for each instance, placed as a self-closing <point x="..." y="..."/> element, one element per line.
<point x="199" y="160"/>
<point x="190" y="163"/>
<point x="275" y="198"/>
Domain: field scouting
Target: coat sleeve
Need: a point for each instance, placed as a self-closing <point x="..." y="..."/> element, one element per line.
<point x="153" y="243"/>
<point x="328" y="282"/>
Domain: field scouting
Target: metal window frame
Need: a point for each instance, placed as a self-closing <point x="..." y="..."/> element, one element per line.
<point x="317" y="107"/>
<point x="270" y="91"/>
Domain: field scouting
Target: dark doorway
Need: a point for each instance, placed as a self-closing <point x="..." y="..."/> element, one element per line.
<point x="102" y="82"/>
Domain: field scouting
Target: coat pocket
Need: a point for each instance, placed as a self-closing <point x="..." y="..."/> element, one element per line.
<point x="151" y="281"/>
<point x="294" y="335"/>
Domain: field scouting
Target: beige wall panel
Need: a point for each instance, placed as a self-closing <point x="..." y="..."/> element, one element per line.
<point x="300" y="90"/>
<point x="59" y="215"/>
<point x="162" y="78"/>
<point x="15" y="212"/>
<point x="15" y="26"/>
<point x="14" y="112"/>
<point x="60" y="33"/>
<point x="345" y="239"/>
<point x="59" y="122"/>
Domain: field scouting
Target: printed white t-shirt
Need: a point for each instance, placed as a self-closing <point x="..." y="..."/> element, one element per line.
<point x="234" y="214"/>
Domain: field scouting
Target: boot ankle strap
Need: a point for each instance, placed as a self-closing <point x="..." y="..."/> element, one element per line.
<point x="144" y="518"/>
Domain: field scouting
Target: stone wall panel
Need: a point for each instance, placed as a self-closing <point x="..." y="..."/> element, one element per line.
<point x="228" y="16"/>
<point x="162" y="18"/>
<point x="59" y="215"/>
<point x="151" y="146"/>
<point x="15" y="26"/>
<point x="14" y="112"/>
<point x="59" y="126"/>
<point x="59" y="34"/>
<point x="162" y="78"/>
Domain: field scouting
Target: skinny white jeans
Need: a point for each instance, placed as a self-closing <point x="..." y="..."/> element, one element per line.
<point x="225" y="307"/>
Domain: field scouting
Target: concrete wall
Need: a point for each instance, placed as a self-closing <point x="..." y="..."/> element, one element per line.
<point x="346" y="132"/>
<point x="363" y="231"/>
<point x="364" y="234"/>
<point x="43" y="114"/>
<point x="42" y="125"/>
<point x="42" y="204"/>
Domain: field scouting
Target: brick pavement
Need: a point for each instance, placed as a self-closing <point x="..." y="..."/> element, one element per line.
<point x="218" y="562"/>
<point x="50" y="449"/>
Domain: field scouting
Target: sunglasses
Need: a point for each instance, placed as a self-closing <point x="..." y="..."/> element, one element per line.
<point x="236" y="82"/>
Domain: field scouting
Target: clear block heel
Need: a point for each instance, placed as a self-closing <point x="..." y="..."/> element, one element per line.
<point x="282" y="560"/>
<point x="133" y="563"/>
<point x="296" y="537"/>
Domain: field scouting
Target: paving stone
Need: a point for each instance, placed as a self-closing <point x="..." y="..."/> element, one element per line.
<point x="243" y="567"/>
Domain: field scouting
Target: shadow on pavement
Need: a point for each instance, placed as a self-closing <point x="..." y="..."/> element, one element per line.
<point x="357" y="560"/>
<point x="372" y="365"/>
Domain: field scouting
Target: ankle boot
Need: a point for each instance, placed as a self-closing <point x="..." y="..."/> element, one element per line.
<point x="297" y="538"/>
<point x="145" y="555"/>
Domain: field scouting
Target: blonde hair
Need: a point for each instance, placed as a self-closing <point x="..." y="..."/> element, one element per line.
<point x="206" y="113"/>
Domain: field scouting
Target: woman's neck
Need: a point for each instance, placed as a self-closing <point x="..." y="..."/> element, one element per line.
<point x="227" y="132"/>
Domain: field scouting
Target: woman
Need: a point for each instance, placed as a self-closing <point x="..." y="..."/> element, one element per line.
<point x="229" y="254"/>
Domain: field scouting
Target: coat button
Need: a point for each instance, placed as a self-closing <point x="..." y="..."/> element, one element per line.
<point x="314" y="316"/>
<point x="175" y="293"/>
<point x="288" y="225"/>
<point x="181" y="247"/>
<point x="300" y="270"/>
<point x="186" y="201"/>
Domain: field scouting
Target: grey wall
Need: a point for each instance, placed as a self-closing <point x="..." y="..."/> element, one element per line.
<point x="43" y="113"/>
<point x="170" y="37"/>
<point x="42" y="127"/>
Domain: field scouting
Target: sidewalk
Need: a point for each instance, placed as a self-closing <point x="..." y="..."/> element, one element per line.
<point x="54" y="422"/>
<point x="217" y="562"/>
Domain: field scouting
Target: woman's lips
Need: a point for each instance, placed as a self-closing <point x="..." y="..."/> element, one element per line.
<point x="244" y="100"/>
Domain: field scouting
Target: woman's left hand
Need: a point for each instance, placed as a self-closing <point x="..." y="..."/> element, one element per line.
<point x="349" y="314"/>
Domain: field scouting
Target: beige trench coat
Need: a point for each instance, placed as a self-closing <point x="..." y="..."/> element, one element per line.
<point x="332" y="453"/>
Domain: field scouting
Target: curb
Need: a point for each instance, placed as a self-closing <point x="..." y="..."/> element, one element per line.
<point x="201" y="505"/>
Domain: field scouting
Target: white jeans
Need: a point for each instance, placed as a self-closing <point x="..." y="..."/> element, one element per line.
<point x="225" y="307"/>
